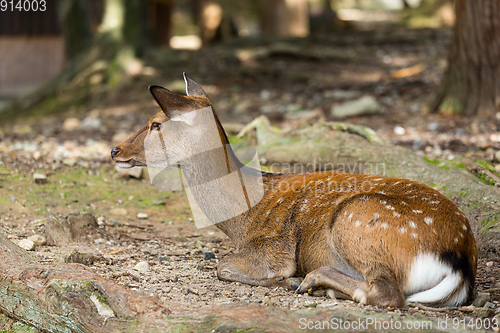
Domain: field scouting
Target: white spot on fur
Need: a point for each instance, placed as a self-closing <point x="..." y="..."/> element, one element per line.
<point x="428" y="220"/>
<point x="268" y="213"/>
<point x="409" y="184"/>
<point x="359" y="296"/>
<point x="434" y="202"/>
<point x="412" y="224"/>
<point x="402" y="230"/>
<point x="280" y="200"/>
<point x="358" y="223"/>
<point x="414" y="235"/>
<point x="396" y="183"/>
<point x="455" y="240"/>
<point x="461" y="234"/>
<point x="384" y="226"/>
<point x="350" y="216"/>
<point x="383" y="202"/>
<point x="464" y="227"/>
<point x="432" y="281"/>
<point x="376" y="215"/>
<point x="416" y="211"/>
<point x="396" y="214"/>
<point x="404" y="203"/>
<point x="389" y="207"/>
<point x="382" y="192"/>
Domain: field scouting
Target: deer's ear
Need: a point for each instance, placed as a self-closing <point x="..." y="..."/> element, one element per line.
<point x="193" y="88"/>
<point x="168" y="101"/>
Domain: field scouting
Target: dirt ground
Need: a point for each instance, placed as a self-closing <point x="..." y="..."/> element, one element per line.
<point x="81" y="177"/>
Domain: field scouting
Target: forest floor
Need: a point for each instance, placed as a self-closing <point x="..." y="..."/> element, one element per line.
<point x="283" y="80"/>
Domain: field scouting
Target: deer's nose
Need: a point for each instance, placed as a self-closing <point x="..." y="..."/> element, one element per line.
<point x="115" y="152"/>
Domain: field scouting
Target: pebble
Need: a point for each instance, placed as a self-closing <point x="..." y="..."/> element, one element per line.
<point x="26" y="244"/>
<point x="99" y="241"/>
<point x="399" y="130"/>
<point x="71" y="124"/>
<point x="489" y="263"/>
<point x="69" y="162"/>
<point x="200" y="267"/>
<point x="433" y="126"/>
<point x="208" y="255"/>
<point x="38" y="239"/>
<point x="37" y="155"/>
<point x="163" y="260"/>
<point x="142" y="266"/>
<point x="267" y="300"/>
<point x="39" y="178"/>
<point x="361" y="106"/>
<point x="142" y="216"/>
<point x="481" y="299"/>
<point x="100" y="220"/>
<point x="118" y="211"/>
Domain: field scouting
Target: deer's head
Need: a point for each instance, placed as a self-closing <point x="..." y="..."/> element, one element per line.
<point x="184" y="126"/>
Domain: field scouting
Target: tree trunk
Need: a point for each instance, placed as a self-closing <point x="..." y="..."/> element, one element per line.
<point x="471" y="84"/>
<point x="284" y="18"/>
<point x="74" y="17"/>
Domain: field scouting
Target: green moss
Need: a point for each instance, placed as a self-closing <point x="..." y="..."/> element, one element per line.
<point x="484" y="178"/>
<point x="434" y="162"/>
<point x="464" y="194"/>
<point x="485" y="165"/>
<point x="459" y="165"/>
<point x="445" y="167"/>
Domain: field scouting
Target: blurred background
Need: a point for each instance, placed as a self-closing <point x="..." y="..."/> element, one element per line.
<point x="422" y="73"/>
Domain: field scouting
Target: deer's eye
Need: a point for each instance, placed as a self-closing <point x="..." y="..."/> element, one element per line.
<point x="156" y="126"/>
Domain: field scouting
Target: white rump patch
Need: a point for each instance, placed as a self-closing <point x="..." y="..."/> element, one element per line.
<point x="432" y="281"/>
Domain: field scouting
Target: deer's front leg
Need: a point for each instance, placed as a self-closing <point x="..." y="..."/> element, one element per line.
<point x="260" y="265"/>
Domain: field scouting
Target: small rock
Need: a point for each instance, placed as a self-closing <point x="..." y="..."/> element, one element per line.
<point x="360" y="106"/>
<point x="311" y="305"/>
<point x="208" y="255"/>
<point x="91" y="123"/>
<point x="142" y="216"/>
<point x="12" y="199"/>
<point x="489" y="263"/>
<point x="267" y="300"/>
<point x="483" y="312"/>
<point x="399" y="130"/>
<point x="318" y="293"/>
<point x="176" y="279"/>
<point x="481" y="299"/>
<point x="331" y="293"/>
<point x="490" y="305"/>
<point x="186" y="291"/>
<point x="71" y="124"/>
<point x="99" y="241"/>
<point x="197" y="244"/>
<point x="142" y="266"/>
<point x="200" y="267"/>
<point x="37" y="155"/>
<point x="433" y="126"/>
<point x="497" y="155"/>
<point x="39" y="178"/>
<point x="163" y="259"/>
<point x="100" y="220"/>
<point x="38" y="240"/>
<point x="26" y="244"/>
<point x="69" y="162"/>
<point x="118" y="211"/>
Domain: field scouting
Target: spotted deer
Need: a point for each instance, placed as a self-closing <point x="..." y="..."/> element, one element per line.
<point x="375" y="240"/>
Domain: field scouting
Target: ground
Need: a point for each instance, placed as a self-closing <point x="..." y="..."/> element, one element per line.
<point x="243" y="83"/>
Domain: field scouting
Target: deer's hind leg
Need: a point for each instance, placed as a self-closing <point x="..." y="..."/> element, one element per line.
<point x="265" y="264"/>
<point x="384" y="291"/>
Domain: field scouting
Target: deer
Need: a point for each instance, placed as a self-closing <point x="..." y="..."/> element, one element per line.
<point x="374" y="240"/>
